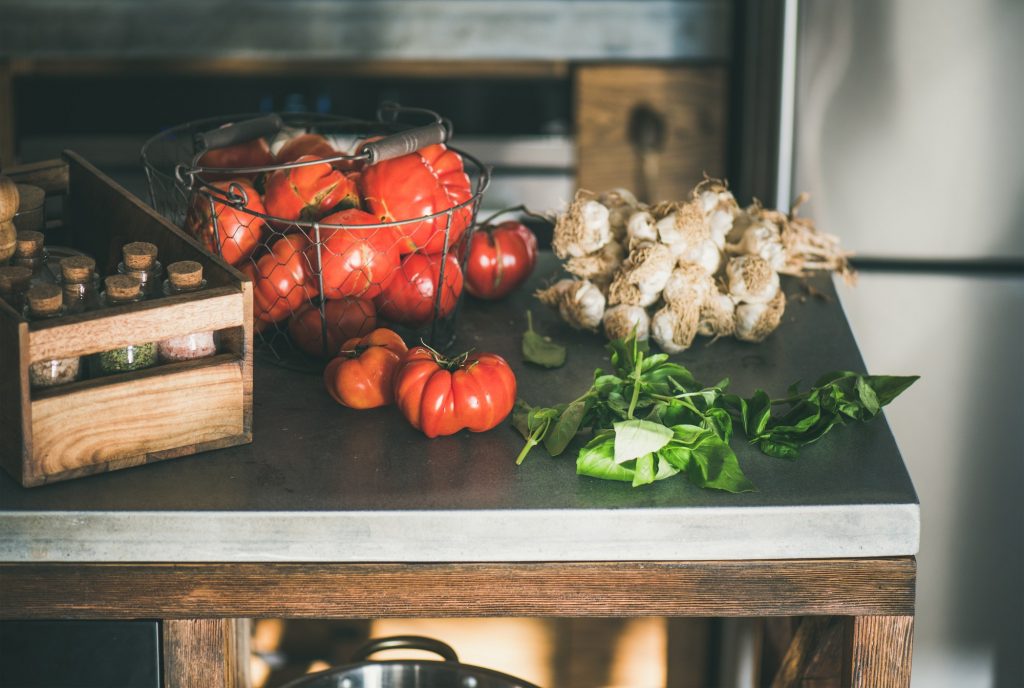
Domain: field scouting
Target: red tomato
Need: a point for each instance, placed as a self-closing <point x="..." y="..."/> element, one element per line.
<point x="441" y="397"/>
<point x="421" y="183"/>
<point x="282" y="279"/>
<point x="345" y="318"/>
<point x="306" y="144"/>
<point x="238" y="231"/>
<point x="355" y="262"/>
<point x="255" y="153"/>
<point x="362" y="376"/>
<point x="309" y="192"/>
<point x="410" y="297"/>
<point x="500" y="259"/>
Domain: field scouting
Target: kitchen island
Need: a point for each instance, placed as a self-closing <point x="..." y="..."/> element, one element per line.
<point x="332" y="513"/>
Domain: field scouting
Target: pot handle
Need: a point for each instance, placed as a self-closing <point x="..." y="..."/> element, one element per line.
<point x="239" y="132"/>
<point x="404" y="142"/>
<point x="405" y="642"/>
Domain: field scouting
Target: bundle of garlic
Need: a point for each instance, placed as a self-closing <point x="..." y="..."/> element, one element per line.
<point x="676" y="270"/>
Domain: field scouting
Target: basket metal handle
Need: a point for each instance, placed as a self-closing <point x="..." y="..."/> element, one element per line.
<point x="404" y="142"/>
<point x="239" y="132"/>
<point x="406" y="642"/>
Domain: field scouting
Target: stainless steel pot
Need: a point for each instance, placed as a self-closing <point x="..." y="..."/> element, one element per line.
<point x="408" y="673"/>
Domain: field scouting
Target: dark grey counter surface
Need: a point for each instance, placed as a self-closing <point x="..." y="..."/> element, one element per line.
<point x="320" y="482"/>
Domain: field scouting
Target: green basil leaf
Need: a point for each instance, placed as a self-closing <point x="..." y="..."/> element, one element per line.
<point x="718" y="421"/>
<point x="868" y="398"/>
<point x="606" y="384"/>
<point x="756" y="414"/>
<point x="676" y="456"/>
<point x="541" y="350"/>
<point x="888" y="387"/>
<point x="778" y="448"/>
<point x="634" y="438"/>
<point x="520" y="415"/>
<point x="565" y="428"/>
<point x="714" y="465"/>
<point x="644" y="472"/>
<point x="665" y="468"/>
<point x="597" y="460"/>
<point x="834" y="376"/>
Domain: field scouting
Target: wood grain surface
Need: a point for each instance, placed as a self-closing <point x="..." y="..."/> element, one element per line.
<point x="814" y="655"/>
<point x="691" y="100"/>
<point x="166" y="410"/>
<point x="205" y="653"/>
<point x="737" y="588"/>
<point x="15" y="424"/>
<point x="878" y="651"/>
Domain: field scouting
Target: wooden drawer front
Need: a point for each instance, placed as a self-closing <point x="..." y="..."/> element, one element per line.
<point x="691" y="100"/>
<point x="140" y="416"/>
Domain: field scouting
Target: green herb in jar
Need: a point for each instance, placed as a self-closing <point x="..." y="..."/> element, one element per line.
<point x="128" y="358"/>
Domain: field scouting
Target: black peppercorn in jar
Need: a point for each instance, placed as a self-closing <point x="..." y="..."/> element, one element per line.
<point x="44" y="302"/>
<point x="122" y="289"/>
<point x="140" y="262"/>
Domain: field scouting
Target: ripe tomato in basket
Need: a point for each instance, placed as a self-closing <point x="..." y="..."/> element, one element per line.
<point x="345" y="318"/>
<point x="355" y="262"/>
<point x="362" y="376"/>
<point x="442" y="396"/>
<point x="305" y="144"/>
<point x="500" y="259"/>
<point x="418" y="184"/>
<point x="238" y="231"/>
<point x="282" y="279"/>
<point x="410" y="297"/>
<point x="255" y="153"/>
<point x="309" y="192"/>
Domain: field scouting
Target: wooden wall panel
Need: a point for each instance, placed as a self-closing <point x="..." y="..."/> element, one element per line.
<point x="692" y="101"/>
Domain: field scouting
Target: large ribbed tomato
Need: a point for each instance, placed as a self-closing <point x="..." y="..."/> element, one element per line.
<point x="410" y="298"/>
<point x="282" y="279"/>
<point x="238" y="231"/>
<point x="308" y="192"/>
<point x="500" y="259"/>
<point x="255" y="153"/>
<point x="356" y="262"/>
<point x="442" y="396"/>
<point x="305" y="144"/>
<point x="362" y="376"/>
<point x="422" y="183"/>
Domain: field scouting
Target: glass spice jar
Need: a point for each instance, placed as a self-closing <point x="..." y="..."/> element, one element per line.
<point x="140" y="262"/>
<point x="44" y="302"/>
<point x="14" y="282"/>
<point x="122" y="289"/>
<point x="31" y="208"/>
<point x="30" y="252"/>
<point x="183" y="277"/>
<point x="80" y="284"/>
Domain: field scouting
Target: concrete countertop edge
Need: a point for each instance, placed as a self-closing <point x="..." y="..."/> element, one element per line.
<point x="521" y="535"/>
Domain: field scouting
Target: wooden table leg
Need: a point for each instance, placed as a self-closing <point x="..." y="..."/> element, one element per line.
<point x="877" y="651"/>
<point x="206" y="653"/>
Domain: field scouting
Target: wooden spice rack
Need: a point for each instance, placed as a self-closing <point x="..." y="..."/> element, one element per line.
<point x="118" y="421"/>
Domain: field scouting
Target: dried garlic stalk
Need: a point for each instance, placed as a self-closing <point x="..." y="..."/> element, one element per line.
<point x="808" y="249"/>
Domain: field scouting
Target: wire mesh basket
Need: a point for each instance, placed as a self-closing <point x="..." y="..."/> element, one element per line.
<point x="343" y="225"/>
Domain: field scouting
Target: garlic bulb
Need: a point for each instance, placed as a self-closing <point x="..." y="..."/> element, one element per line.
<point x="579" y="302"/>
<point x="720" y="208"/>
<point x="684" y="224"/>
<point x="717" y="316"/>
<point x="762" y="239"/>
<point x="621" y="321"/>
<point x="705" y="254"/>
<point x="688" y="284"/>
<point x="642" y="276"/>
<point x="640" y="227"/>
<point x="751" y="279"/>
<point x="598" y="267"/>
<point x="673" y="328"/>
<point x="621" y="204"/>
<point x="584" y="228"/>
<point x="755" y="321"/>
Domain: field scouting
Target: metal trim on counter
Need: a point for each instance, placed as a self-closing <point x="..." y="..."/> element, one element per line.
<point x="668" y="534"/>
<point x="385" y="29"/>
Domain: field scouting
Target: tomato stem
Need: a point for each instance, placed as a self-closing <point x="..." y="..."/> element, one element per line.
<point x="520" y="208"/>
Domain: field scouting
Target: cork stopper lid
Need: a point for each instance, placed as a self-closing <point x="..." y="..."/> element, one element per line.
<point x="14" y="278"/>
<point x="30" y="197"/>
<point x="185" y="274"/>
<point x="29" y="244"/>
<point x="122" y="287"/>
<point x="77" y="269"/>
<point x="44" y="299"/>
<point x="139" y="255"/>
